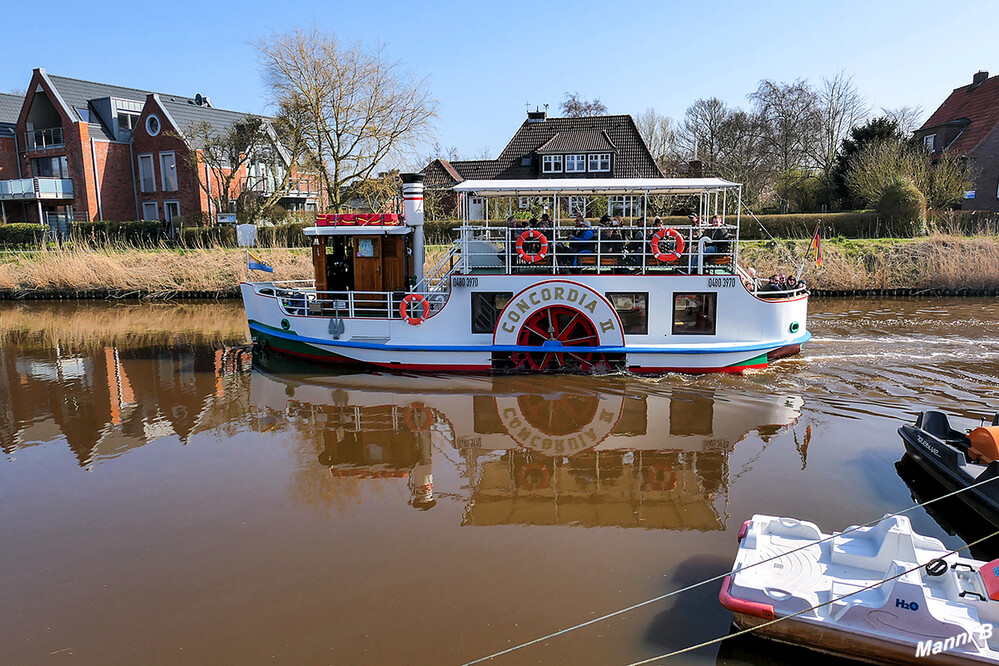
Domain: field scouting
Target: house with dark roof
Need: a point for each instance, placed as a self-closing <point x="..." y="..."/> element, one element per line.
<point x="543" y="147"/>
<point x="75" y="150"/>
<point x="967" y="125"/>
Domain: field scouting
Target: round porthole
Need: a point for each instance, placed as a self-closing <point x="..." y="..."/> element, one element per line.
<point x="285" y="324"/>
<point x="152" y="124"/>
<point x="794" y="327"/>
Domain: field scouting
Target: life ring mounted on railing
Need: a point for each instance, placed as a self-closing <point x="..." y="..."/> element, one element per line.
<point x="535" y="235"/>
<point x="661" y="477"/>
<point x="677" y="240"/>
<point x="420" y="316"/>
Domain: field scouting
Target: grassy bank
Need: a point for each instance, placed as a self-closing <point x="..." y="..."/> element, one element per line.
<point x="937" y="262"/>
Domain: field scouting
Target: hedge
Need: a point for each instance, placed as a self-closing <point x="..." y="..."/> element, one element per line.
<point x="132" y="232"/>
<point x="19" y="234"/>
<point x="281" y="235"/>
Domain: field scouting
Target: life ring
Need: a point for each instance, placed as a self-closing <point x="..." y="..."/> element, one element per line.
<point x="538" y="478"/>
<point x="661" y="477"/>
<point x="537" y="256"/>
<point x="404" y="309"/>
<point x="659" y="236"/>
<point x="418" y="417"/>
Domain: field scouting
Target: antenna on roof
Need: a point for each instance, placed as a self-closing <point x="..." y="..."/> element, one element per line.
<point x="198" y="99"/>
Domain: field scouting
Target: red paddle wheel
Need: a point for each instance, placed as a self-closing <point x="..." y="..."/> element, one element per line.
<point x="563" y="325"/>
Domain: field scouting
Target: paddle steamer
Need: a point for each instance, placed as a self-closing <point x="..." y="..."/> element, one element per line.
<point x="558" y="298"/>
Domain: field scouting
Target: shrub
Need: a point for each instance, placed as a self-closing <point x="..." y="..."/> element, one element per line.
<point x="21" y="234"/>
<point x="904" y="207"/>
<point x="208" y="236"/>
<point x="134" y="232"/>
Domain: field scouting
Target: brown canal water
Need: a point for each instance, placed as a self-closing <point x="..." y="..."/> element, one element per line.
<point x="165" y="500"/>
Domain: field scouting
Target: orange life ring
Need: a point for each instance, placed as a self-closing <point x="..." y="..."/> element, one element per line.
<point x="540" y="254"/>
<point x="418" y="417"/>
<point x="659" y="236"/>
<point x="661" y="477"/>
<point x="537" y="480"/>
<point x="404" y="309"/>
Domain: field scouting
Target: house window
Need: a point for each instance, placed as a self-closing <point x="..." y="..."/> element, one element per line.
<point x="150" y="211"/>
<point x="578" y="205"/>
<point x="694" y="314"/>
<point x="633" y="309"/>
<point x="552" y="164"/>
<point x="152" y="124"/>
<point x="147" y="179"/>
<point x="928" y="141"/>
<point x="523" y="203"/>
<point x="126" y="121"/>
<point x="526" y="160"/>
<point x="600" y="162"/>
<point x="84" y="114"/>
<point x="171" y="209"/>
<point x="168" y="171"/>
<point x="486" y="309"/>
<point x="575" y="163"/>
<point x="50" y="167"/>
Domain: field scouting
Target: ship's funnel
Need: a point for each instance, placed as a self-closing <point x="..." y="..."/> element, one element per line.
<point x="412" y="197"/>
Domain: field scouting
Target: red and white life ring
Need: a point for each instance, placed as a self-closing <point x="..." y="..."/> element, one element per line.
<point x="661" y="477"/>
<point x="537" y="256"/>
<point x="404" y="309"/>
<point x="659" y="237"/>
<point x="418" y="417"/>
<point x="533" y="476"/>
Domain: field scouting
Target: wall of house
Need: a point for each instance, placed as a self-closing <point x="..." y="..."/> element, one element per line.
<point x="188" y="192"/>
<point x="114" y="180"/>
<point x="985" y="158"/>
<point x="8" y="158"/>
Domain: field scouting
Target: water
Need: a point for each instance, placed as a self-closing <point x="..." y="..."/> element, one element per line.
<point x="161" y="501"/>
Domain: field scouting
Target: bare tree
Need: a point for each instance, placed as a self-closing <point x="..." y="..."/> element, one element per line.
<point x="907" y="118"/>
<point x="700" y="136"/>
<point x="789" y="113"/>
<point x="840" y="108"/>
<point x="574" y="106"/>
<point x="363" y="109"/>
<point x="660" y="137"/>
<point x="742" y="154"/>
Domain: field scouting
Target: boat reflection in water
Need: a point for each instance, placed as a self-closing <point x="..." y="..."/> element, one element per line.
<point x="951" y="514"/>
<point x="586" y="451"/>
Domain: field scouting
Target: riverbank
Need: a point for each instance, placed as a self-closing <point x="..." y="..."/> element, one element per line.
<point x="941" y="264"/>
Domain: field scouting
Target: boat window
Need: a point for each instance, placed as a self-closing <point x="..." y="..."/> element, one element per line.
<point x="694" y="314"/>
<point x="633" y="309"/>
<point x="486" y="308"/>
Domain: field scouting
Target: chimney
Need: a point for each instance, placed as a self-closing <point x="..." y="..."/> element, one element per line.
<point x="978" y="79"/>
<point x="537" y="115"/>
<point x="412" y="207"/>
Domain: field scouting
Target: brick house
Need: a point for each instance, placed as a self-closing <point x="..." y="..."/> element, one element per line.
<point x="967" y="124"/>
<point x="74" y="150"/>
<point x="543" y="147"/>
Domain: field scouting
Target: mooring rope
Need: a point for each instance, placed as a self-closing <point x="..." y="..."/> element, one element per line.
<point x="768" y="623"/>
<point x="692" y="586"/>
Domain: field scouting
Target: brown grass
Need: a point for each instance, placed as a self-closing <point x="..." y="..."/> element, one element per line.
<point x="938" y="261"/>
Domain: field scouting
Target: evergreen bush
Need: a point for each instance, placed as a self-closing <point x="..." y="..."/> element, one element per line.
<point x="903" y="207"/>
<point x="21" y="234"/>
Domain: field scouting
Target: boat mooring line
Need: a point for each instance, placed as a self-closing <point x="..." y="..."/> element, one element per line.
<point x="742" y="632"/>
<point x="719" y="577"/>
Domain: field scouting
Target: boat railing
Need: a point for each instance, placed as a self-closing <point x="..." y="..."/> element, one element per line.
<point x="438" y="277"/>
<point x="373" y="304"/>
<point x="625" y="249"/>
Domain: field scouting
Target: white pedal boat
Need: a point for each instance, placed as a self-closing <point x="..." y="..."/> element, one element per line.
<point x="942" y="614"/>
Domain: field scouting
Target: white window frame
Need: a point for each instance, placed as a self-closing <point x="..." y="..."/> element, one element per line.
<point x="928" y="142"/>
<point x="152" y="117"/>
<point x="578" y="161"/>
<point x="579" y="204"/>
<point x="523" y="203"/>
<point x="600" y="162"/>
<point x="163" y="171"/>
<point x="550" y="162"/>
<point x="152" y="173"/>
<point x="166" y="209"/>
<point x="156" y="210"/>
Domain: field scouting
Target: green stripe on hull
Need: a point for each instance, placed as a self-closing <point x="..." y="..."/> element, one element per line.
<point x="756" y="360"/>
<point x="290" y="346"/>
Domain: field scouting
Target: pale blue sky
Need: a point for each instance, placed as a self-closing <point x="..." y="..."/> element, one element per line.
<point x="484" y="61"/>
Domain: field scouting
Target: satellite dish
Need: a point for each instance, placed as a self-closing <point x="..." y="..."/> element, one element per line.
<point x="198" y="99"/>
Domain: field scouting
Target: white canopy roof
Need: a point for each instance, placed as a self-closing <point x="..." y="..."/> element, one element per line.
<point x="359" y="230"/>
<point x="633" y="186"/>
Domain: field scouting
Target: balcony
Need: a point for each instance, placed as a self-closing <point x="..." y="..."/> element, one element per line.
<point x="44" y="139"/>
<point x="36" y="189"/>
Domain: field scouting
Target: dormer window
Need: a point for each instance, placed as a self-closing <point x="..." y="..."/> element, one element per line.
<point x="575" y="163"/>
<point x="928" y="141"/>
<point x="526" y="160"/>
<point x="552" y="164"/>
<point x="600" y="162"/>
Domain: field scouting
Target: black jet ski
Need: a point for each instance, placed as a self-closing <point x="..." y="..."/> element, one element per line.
<point x="958" y="459"/>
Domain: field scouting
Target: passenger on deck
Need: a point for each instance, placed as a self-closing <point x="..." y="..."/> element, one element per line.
<point x="720" y="239"/>
<point x="581" y="241"/>
<point x="611" y="239"/>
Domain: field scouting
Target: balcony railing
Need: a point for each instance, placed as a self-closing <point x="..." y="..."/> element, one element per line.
<point x="43" y="139"/>
<point x="23" y="189"/>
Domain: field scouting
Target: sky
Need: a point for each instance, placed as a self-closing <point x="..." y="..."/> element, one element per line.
<point x="485" y="62"/>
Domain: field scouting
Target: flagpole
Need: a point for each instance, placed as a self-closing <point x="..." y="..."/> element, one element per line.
<point x="813" y="242"/>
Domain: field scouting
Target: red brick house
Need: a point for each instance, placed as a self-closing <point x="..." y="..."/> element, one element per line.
<point x="967" y="124"/>
<point x="74" y="150"/>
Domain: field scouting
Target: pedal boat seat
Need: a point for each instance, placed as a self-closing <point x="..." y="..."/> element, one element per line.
<point x="984" y="447"/>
